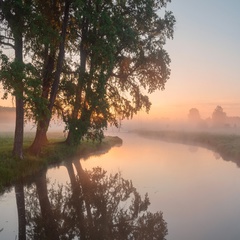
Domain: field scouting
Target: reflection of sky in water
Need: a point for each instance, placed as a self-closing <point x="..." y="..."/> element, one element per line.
<point x="197" y="193"/>
<point x="8" y="216"/>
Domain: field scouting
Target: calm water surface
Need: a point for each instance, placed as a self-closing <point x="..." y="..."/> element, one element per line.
<point x="197" y="191"/>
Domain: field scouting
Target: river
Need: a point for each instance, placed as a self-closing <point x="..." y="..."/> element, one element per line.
<point x="195" y="189"/>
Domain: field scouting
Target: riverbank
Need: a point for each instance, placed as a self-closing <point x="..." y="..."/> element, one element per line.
<point x="54" y="153"/>
<point x="226" y="145"/>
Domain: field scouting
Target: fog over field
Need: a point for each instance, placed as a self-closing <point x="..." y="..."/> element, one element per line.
<point x="7" y="122"/>
<point x="192" y="122"/>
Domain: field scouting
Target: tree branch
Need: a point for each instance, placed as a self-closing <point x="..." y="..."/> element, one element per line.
<point x="5" y="37"/>
<point x="7" y="44"/>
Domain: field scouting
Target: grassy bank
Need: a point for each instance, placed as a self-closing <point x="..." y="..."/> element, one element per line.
<point x="54" y="153"/>
<point x="227" y="145"/>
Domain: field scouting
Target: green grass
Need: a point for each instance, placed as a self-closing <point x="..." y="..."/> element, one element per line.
<point x="12" y="170"/>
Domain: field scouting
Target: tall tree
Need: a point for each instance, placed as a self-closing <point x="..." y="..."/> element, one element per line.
<point x="13" y="16"/>
<point x="219" y="117"/>
<point x="53" y="56"/>
<point x="121" y="59"/>
<point x="194" y="115"/>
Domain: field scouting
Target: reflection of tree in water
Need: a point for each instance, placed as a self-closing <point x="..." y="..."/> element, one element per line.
<point x="20" y="201"/>
<point x="93" y="206"/>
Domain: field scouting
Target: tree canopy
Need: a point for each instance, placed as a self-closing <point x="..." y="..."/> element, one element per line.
<point x="219" y="117"/>
<point x="91" y="62"/>
<point x="194" y="115"/>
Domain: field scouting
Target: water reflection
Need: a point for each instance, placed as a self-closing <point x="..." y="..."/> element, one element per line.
<point x="93" y="205"/>
<point x="20" y="201"/>
<point x="192" y="190"/>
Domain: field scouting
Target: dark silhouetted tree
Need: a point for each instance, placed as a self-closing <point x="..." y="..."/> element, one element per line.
<point x="219" y="117"/>
<point x="194" y="116"/>
<point x="121" y="58"/>
<point x="13" y="16"/>
<point x="52" y="56"/>
<point x="94" y="62"/>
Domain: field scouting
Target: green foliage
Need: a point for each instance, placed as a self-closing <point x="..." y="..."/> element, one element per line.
<point x="113" y="58"/>
<point x="17" y="77"/>
<point x="6" y="77"/>
<point x="121" y="59"/>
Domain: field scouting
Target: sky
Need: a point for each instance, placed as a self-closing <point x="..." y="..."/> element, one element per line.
<point x="205" y="54"/>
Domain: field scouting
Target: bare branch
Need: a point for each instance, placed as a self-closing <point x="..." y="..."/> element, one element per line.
<point x="7" y="44"/>
<point x="5" y="37"/>
<point x="70" y="72"/>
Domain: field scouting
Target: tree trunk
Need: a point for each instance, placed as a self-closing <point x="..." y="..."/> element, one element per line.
<point x="39" y="141"/>
<point x="50" y="225"/>
<point x="70" y="138"/>
<point x="19" y="192"/>
<point x="42" y="126"/>
<point x="41" y="134"/>
<point x="60" y="56"/>
<point x="81" y="81"/>
<point x="86" y="189"/>
<point x="19" y="126"/>
<point x="77" y="200"/>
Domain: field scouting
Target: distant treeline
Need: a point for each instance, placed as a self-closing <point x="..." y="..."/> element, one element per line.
<point x="7" y="109"/>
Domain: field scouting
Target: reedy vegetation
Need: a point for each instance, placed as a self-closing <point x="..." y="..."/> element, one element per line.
<point x="91" y="62"/>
